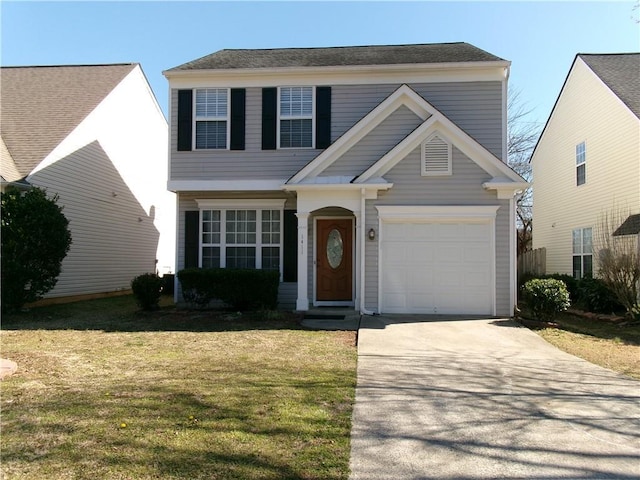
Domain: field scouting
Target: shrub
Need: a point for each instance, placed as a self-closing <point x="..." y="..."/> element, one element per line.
<point x="147" y="289"/>
<point x="570" y="282"/>
<point x="595" y="296"/>
<point x="546" y="297"/>
<point x="35" y="240"/>
<point x="241" y="289"/>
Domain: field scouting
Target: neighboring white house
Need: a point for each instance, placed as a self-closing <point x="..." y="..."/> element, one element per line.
<point x="371" y="177"/>
<point x="95" y="136"/>
<point x="587" y="160"/>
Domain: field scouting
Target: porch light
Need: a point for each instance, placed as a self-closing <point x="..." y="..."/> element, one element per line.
<point x="372" y="234"/>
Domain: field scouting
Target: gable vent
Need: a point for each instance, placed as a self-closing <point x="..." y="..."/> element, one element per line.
<point x="436" y="157"/>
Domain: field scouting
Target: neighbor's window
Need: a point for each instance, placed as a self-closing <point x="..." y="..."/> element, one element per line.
<point x="241" y="239"/>
<point x="581" y="164"/>
<point x="296" y="117"/>
<point x="582" y="253"/>
<point x="212" y="112"/>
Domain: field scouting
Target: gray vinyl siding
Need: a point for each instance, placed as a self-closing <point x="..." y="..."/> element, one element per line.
<point x="464" y="187"/>
<point x="476" y="107"/>
<point x="187" y="201"/>
<point x="373" y="146"/>
<point x="113" y="238"/>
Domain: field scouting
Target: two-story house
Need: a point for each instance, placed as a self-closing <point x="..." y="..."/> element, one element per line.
<point x="371" y="177"/>
<point x="586" y="165"/>
<point x="95" y="136"/>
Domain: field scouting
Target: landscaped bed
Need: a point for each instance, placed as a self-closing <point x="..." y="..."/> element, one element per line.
<point x="105" y="391"/>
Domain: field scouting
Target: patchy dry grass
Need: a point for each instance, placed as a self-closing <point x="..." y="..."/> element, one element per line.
<point x="605" y="344"/>
<point x="105" y="392"/>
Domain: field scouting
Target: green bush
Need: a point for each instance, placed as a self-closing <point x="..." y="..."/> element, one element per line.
<point x="595" y="296"/>
<point x="35" y="240"/>
<point x="147" y="289"/>
<point x="239" y="288"/>
<point x="546" y="297"/>
<point x="570" y="282"/>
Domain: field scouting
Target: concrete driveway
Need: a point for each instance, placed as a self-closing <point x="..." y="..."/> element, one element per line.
<point x="471" y="399"/>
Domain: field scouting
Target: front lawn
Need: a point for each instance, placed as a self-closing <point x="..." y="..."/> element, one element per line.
<point x="104" y="391"/>
<point x="616" y="347"/>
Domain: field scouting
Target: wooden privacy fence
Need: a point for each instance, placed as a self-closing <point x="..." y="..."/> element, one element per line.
<point x="533" y="261"/>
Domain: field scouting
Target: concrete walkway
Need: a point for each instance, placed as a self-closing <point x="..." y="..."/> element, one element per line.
<point x="477" y="399"/>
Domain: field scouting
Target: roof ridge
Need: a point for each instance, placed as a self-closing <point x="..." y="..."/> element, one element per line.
<point x="341" y="47"/>
<point x="124" y="64"/>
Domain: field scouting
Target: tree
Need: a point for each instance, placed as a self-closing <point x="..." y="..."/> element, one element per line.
<point x="35" y="240"/>
<point x="618" y="259"/>
<point x="521" y="139"/>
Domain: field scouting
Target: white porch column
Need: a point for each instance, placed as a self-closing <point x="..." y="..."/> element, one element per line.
<point x="302" y="303"/>
<point x="359" y="260"/>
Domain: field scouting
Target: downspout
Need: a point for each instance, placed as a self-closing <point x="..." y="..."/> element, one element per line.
<point x="363" y="239"/>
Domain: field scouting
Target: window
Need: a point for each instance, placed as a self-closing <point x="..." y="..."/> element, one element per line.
<point x="296" y="117"/>
<point x="241" y="238"/>
<point x="581" y="164"/>
<point x="436" y="156"/>
<point x="582" y="253"/>
<point x="212" y="111"/>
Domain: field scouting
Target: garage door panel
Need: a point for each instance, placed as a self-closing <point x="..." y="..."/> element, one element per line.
<point x="436" y="268"/>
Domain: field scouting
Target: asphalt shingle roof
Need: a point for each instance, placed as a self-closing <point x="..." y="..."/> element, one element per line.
<point x="621" y="73"/>
<point x="41" y="105"/>
<point x="631" y="226"/>
<point x="340" y="56"/>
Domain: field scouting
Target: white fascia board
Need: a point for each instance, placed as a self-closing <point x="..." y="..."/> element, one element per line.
<point x="298" y="187"/>
<point x="224" y="185"/>
<point x="341" y="75"/>
<point x="505" y="189"/>
<point x="399" y="213"/>
<point x="402" y="96"/>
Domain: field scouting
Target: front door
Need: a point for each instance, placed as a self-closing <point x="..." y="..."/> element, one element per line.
<point x="334" y="265"/>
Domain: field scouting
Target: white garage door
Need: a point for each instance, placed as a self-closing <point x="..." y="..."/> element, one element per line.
<point x="437" y="267"/>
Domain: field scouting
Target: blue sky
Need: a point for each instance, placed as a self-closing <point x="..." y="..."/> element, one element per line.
<point x="539" y="38"/>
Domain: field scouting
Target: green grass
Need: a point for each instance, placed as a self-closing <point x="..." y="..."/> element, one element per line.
<point x="104" y="391"/>
<point x="616" y="347"/>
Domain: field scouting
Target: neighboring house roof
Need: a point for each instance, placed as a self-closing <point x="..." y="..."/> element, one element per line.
<point x="41" y="105"/>
<point x="340" y="56"/>
<point x="631" y="226"/>
<point x="621" y="73"/>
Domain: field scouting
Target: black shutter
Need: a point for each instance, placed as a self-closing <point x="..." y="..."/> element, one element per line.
<point x="323" y="117"/>
<point x="290" y="247"/>
<point x="185" y="110"/>
<point x="237" y="118"/>
<point x="269" y="114"/>
<point x="191" y="232"/>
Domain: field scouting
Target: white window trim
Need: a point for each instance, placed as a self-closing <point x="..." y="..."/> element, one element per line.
<point x="258" y="206"/>
<point x="313" y="119"/>
<point x="584" y="162"/>
<point x="423" y="147"/>
<point x="196" y="119"/>
<point x="582" y="254"/>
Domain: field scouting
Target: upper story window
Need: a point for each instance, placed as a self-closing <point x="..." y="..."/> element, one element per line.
<point x="436" y="156"/>
<point x="212" y="118"/>
<point x="296" y="112"/>
<point x="581" y="164"/>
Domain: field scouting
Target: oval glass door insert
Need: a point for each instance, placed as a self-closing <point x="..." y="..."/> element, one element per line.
<point x="335" y="249"/>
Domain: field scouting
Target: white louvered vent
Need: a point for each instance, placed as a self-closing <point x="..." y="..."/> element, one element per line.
<point x="436" y="157"/>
